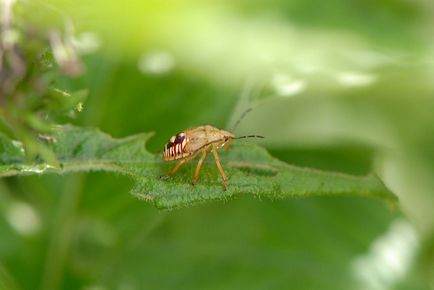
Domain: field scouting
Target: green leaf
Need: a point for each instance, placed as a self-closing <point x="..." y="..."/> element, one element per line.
<point x="62" y="101"/>
<point x="250" y="168"/>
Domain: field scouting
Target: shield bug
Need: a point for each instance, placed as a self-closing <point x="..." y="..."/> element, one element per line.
<point x="187" y="145"/>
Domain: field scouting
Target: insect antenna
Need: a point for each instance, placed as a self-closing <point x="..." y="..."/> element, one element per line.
<point x="240" y="119"/>
<point x="249" y="136"/>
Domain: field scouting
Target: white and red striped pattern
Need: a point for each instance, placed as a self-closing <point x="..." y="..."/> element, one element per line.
<point x="175" y="148"/>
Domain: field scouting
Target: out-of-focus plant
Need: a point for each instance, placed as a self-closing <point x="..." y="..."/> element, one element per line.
<point x="327" y="106"/>
<point x="32" y="62"/>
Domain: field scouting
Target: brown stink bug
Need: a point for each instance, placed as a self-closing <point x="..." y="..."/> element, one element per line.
<point x="202" y="140"/>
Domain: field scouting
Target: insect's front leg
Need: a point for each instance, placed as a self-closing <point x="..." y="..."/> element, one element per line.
<point x="217" y="161"/>
<point x="174" y="169"/>
<point x="199" y="165"/>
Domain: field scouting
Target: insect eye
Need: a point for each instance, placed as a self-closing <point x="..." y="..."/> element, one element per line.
<point x="226" y="138"/>
<point x="179" y="138"/>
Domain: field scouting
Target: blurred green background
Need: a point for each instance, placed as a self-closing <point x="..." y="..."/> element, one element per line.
<point x="338" y="85"/>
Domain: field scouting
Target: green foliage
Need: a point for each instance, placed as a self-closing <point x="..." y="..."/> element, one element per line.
<point x="33" y="62"/>
<point x="251" y="169"/>
<point x="338" y="93"/>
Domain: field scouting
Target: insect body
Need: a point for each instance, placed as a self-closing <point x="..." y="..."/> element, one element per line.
<point x="202" y="140"/>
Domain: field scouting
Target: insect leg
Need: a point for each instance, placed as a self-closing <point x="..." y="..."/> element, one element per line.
<point x="199" y="164"/>
<point x="174" y="169"/>
<point x="217" y="161"/>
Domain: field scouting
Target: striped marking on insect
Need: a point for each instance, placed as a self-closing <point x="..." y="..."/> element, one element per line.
<point x="202" y="140"/>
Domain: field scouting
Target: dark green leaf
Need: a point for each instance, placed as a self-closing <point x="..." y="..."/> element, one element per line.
<point x="250" y="168"/>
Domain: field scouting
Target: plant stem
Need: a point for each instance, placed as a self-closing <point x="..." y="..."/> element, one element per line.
<point x="61" y="233"/>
